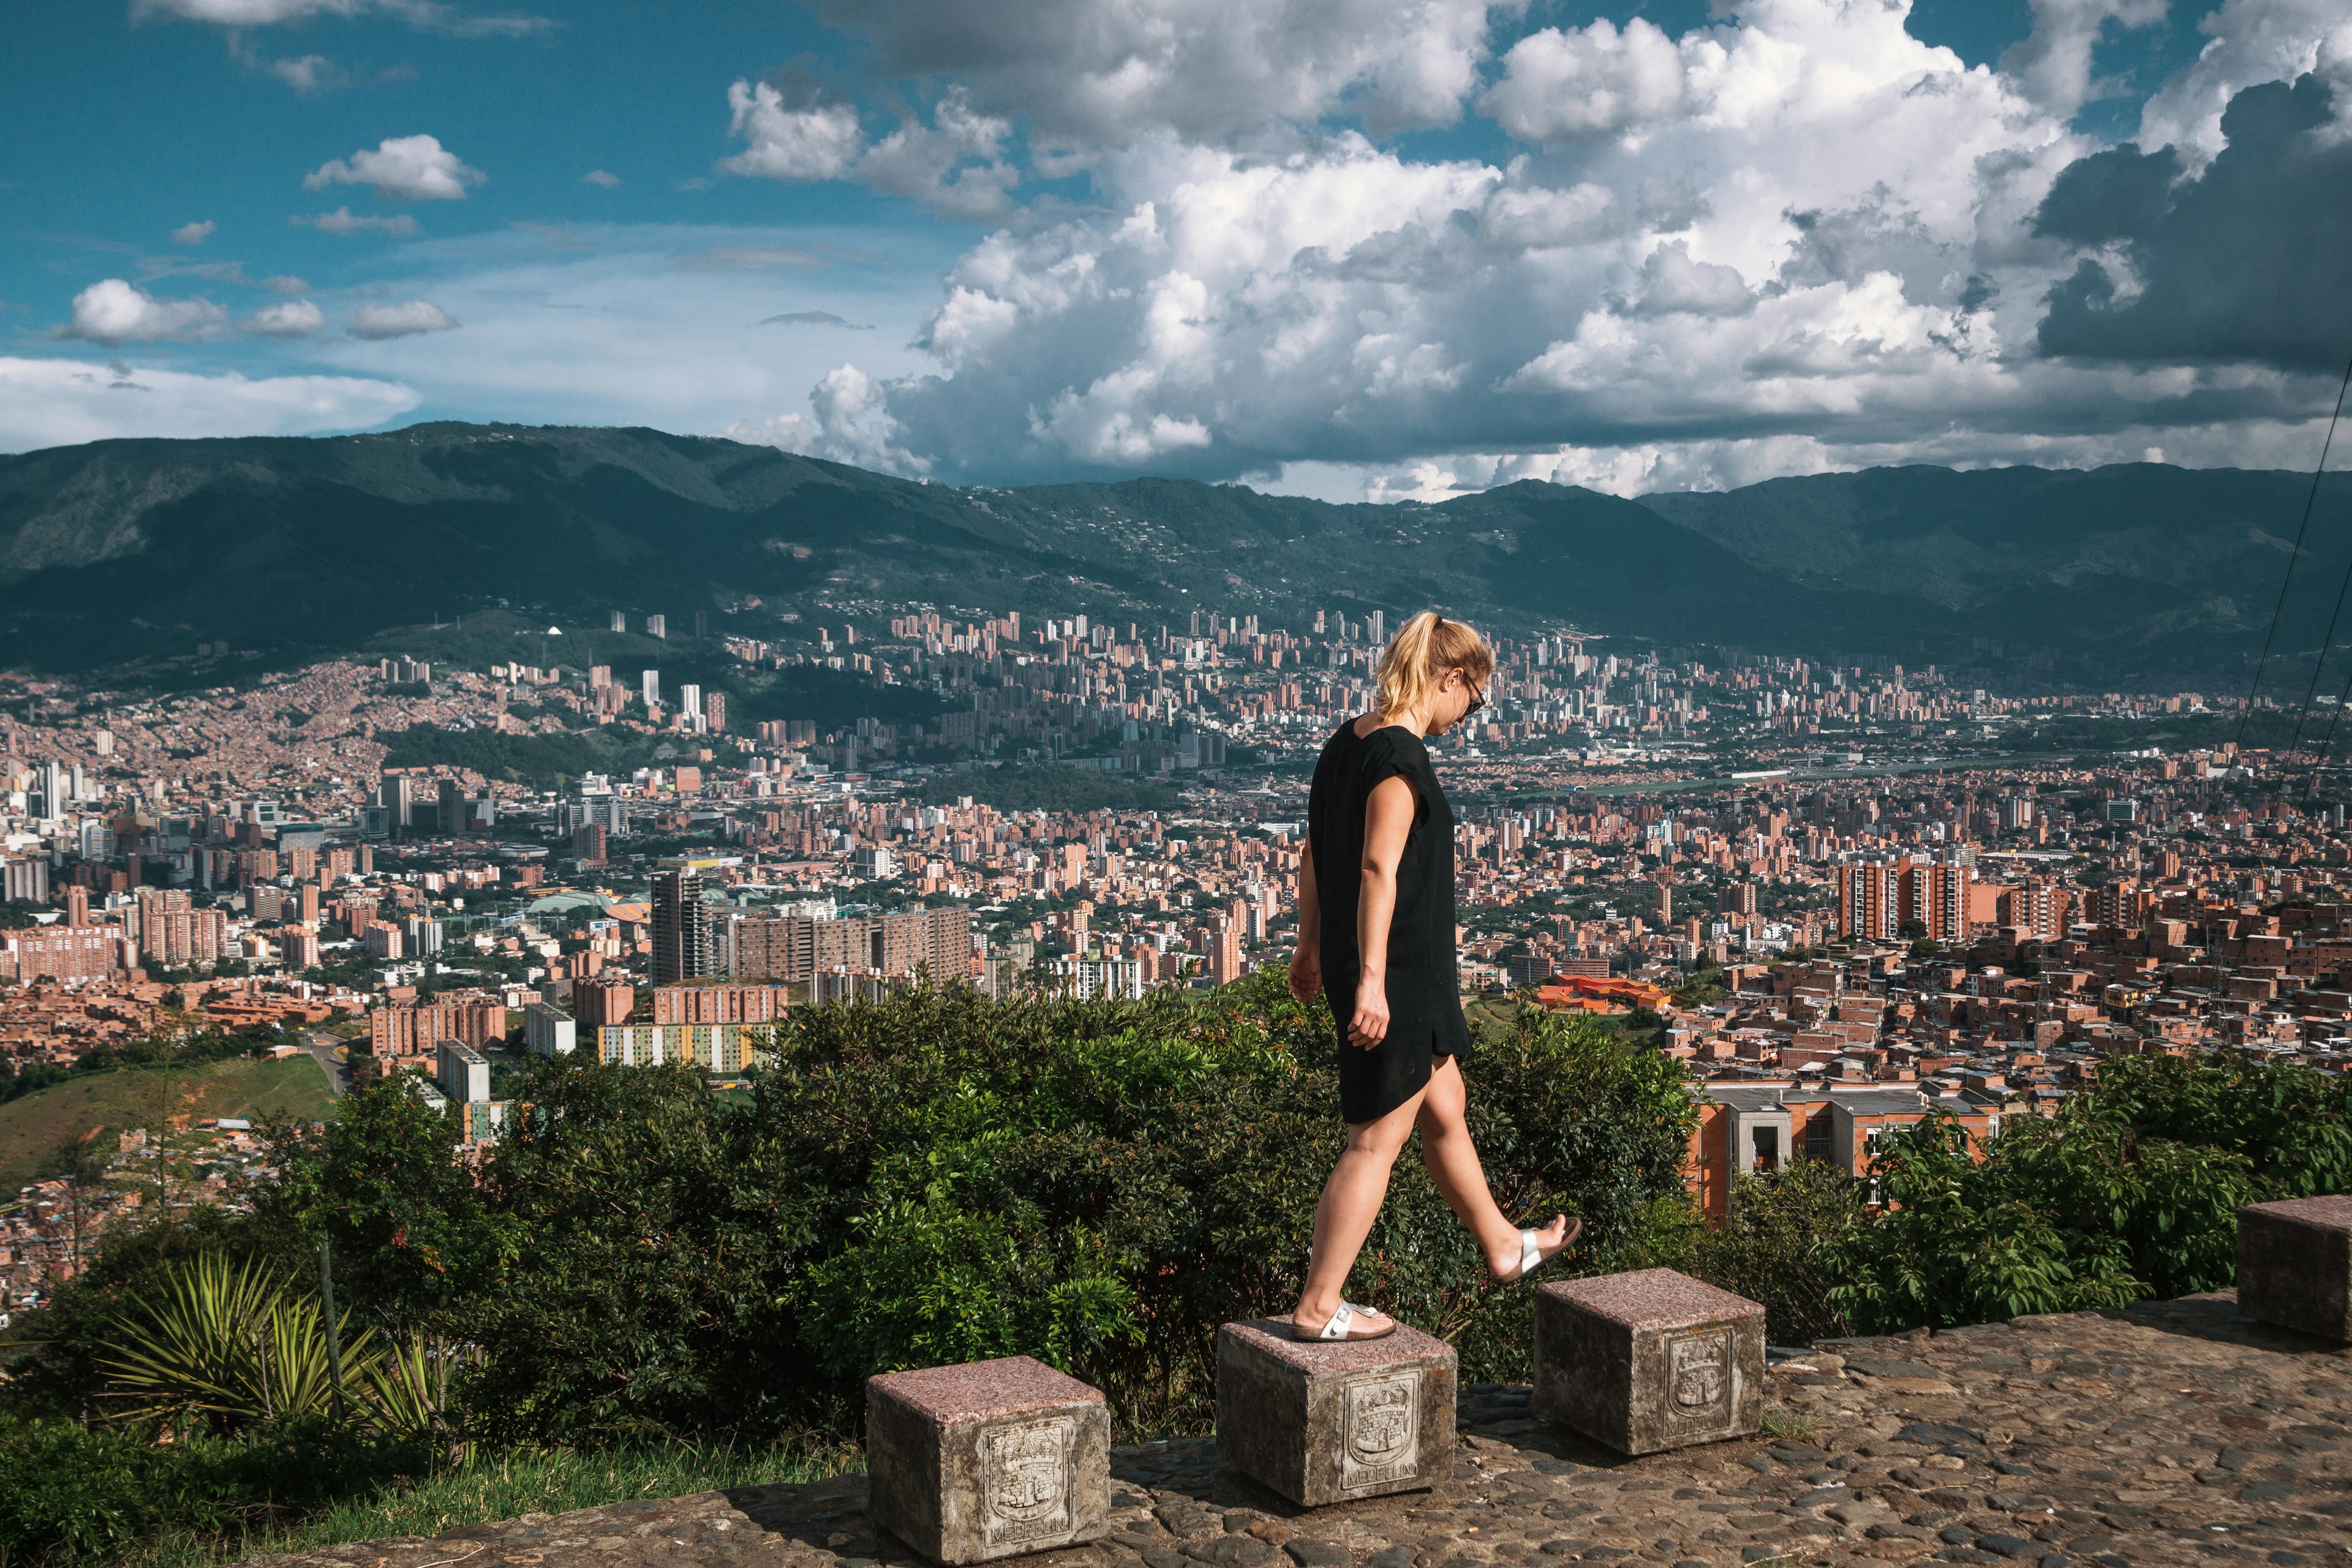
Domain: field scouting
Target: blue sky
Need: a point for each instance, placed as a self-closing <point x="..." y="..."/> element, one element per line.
<point x="1352" y="247"/>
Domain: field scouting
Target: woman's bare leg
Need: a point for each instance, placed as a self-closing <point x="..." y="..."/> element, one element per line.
<point x="1452" y="1161"/>
<point x="1343" y="1218"/>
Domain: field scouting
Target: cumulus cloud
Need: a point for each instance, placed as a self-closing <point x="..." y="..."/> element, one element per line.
<point x="286" y="283"/>
<point x="375" y="323"/>
<point x="343" y="220"/>
<point x="1102" y="75"/>
<point x="847" y="424"/>
<point x="1591" y="82"/>
<point x="599" y="177"/>
<point x="402" y="169"/>
<point x="2053" y="65"/>
<point x="112" y="311"/>
<point x="2236" y="263"/>
<point x="193" y="233"/>
<point x="291" y="319"/>
<point x="1795" y="232"/>
<point x="61" y="401"/>
<point x="2248" y="42"/>
<point x="955" y="164"/>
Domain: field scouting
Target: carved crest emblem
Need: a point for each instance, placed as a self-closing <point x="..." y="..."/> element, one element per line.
<point x="1025" y="1478"/>
<point x="1698" y="1372"/>
<point x="1380" y="1428"/>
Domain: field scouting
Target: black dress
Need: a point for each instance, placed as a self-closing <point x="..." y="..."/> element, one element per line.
<point x="1425" y="1018"/>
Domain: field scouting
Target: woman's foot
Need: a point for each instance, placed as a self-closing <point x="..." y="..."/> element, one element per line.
<point x="1349" y="1322"/>
<point x="1536" y="1248"/>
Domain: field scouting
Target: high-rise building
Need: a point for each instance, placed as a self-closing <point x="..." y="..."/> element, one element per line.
<point x="1378" y="624"/>
<point x="25" y="879"/>
<point x="689" y="705"/>
<point x="650" y="682"/>
<point x="607" y="1002"/>
<point x="714" y="712"/>
<point x="450" y="820"/>
<point x="463" y="1072"/>
<point x="1870" y="899"/>
<point x="658" y="626"/>
<point x="794" y="947"/>
<point x="620" y="621"/>
<point x="681" y="927"/>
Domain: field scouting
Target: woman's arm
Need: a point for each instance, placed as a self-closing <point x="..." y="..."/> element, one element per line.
<point x="1388" y="820"/>
<point x="1306" y="964"/>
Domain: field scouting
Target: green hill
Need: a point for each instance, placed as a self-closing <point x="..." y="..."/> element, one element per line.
<point x="32" y="1128"/>
<point x="125" y="550"/>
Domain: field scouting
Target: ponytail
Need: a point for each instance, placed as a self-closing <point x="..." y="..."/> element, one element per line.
<point x="1418" y="657"/>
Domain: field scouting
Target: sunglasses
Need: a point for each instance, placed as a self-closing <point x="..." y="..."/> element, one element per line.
<point x="1478" y="701"/>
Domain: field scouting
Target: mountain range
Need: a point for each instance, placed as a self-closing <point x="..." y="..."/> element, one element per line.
<point x="119" y="551"/>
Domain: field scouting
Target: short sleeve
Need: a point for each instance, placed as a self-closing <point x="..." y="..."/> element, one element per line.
<point x="1389" y="753"/>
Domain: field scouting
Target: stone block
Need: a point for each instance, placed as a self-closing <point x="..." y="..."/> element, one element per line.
<point x="1332" y="1423"/>
<point x="2295" y="1265"/>
<point x="988" y="1460"/>
<point x="1648" y="1360"/>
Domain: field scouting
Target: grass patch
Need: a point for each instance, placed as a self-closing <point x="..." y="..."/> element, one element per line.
<point x="1782" y="1426"/>
<point x="32" y="1128"/>
<point x="515" y="1482"/>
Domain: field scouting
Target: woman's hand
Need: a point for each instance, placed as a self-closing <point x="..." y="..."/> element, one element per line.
<point x="1305" y="974"/>
<point x="1369" y="1025"/>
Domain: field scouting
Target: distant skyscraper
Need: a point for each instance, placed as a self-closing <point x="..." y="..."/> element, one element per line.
<point x="658" y="626"/>
<point x="681" y="928"/>
<point x="689" y="704"/>
<point x="714" y="711"/>
<point x="620" y="621"/>
<point x="1378" y="621"/>
<point x="652" y="681"/>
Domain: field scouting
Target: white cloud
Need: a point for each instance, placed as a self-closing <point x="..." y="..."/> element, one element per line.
<point x="1104" y="75"/>
<point x="428" y="15"/>
<point x="2053" y="65"/>
<point x="816" y="142"/>
<point x="375" y="323"/>
<point x="193" y="233"/>
<point x="286" y="283"/>
<point x="847" y="424"/>
<point x="402" y="169"/>
<point x="309" y="75"/>
<point x="289" y="319"/>
<point x="2248" y="42"/>
<point x="1594" y="81"/>
<point x="399" y="225"/>
<point x="599" y="177"/>
<point x="245" y="13"/>
<point x="1797" y="232"/>
<point x="112" y="311"/>
<point x="60" y="401"/>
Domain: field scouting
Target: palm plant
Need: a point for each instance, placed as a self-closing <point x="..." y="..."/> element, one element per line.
<point x="233" y="1345"/>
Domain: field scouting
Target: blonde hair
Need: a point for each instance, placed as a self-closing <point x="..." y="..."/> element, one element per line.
<point x="1418" y="657"/>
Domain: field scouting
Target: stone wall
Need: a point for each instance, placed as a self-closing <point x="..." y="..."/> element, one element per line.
<point x="2171" y="1432"/>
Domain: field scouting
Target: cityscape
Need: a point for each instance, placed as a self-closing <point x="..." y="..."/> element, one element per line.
<point x="1843" y="898"/>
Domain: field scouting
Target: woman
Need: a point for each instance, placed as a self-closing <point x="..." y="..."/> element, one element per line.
<point x="1376" y="938"/>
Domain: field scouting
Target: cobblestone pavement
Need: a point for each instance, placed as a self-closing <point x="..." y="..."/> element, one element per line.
<point x="2172" y="1432"/>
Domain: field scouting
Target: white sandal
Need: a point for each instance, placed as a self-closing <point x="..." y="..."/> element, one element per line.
<point x="1531" y="1253"/>
<point x="1336" y="1329"/>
